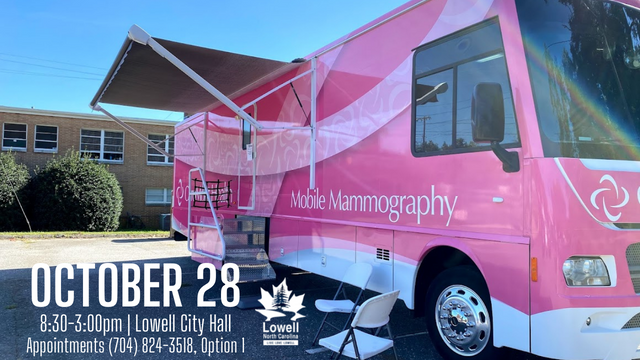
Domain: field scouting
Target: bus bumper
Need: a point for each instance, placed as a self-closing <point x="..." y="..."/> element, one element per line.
<point x="587" y="333"/>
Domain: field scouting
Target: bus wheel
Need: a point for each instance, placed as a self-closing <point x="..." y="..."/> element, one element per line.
<point x="458" y="313"/>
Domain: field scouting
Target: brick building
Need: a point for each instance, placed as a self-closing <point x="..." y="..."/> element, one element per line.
<point x="146" y="176"/>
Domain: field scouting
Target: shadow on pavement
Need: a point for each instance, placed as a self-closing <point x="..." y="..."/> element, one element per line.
<point x="126" y="241"/>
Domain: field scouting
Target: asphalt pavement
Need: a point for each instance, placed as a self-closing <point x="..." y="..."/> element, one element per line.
<point x="103" y="330"/>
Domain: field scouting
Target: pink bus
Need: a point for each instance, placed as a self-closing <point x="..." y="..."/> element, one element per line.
<point x="482" y="155"/>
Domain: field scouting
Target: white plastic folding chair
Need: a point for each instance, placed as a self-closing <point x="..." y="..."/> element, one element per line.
<point x="357" y="344"/>
<point x="357" y="275"/>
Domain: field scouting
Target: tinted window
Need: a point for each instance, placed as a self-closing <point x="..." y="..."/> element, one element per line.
<point x="461" y="47"/>
<point x="446" y="73"/>
<point x="434" y="119"/>
<point x="584" y="63"/>
<point x="246" y="134"/>
<point x="488" y="69"/>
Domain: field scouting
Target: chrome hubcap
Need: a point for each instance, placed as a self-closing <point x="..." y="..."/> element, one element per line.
<point x="462" y="320"/>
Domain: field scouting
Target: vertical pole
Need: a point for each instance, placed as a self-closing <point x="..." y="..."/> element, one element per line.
<point x="424" y="131"/>
<point x="204" y="149"/>
<point x="254" y="149"/>
<point x="239" y="162"/>
<point x="189" y="204"/>
<point x="312" y="160"/>
<point x="204" y="162"/>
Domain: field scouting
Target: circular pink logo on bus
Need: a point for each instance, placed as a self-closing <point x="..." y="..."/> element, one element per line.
<point x="613" y="186"/>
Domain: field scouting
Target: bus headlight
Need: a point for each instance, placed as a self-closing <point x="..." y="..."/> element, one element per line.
<point x="585" y="271"/>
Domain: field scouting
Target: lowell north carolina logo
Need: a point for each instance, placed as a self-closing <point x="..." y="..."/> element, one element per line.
<point x="276" y="305"/>
<point x="282" y="301"/>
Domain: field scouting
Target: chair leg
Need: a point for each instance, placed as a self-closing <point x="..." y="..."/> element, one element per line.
<point x="348" y="321"/>
<point x="345" y="342"/>
<point x="355" y="346"/>
<point x="395" y="354"/>
<point x="353" y="311"/>
<point x="315" y="339"/>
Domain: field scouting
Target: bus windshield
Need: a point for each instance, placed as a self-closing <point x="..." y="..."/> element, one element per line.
<point x="584" y="61"/>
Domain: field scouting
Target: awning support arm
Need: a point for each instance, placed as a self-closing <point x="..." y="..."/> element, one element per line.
<point x="188" y="128"/>
<point x="312" y="126"/>
<point x="131" y="130"/>
<point x="277" y="88"/>
<point x="140" y="36"/>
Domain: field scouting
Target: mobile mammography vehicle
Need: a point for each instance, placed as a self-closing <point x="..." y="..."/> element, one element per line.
<point x="482" y="155"/>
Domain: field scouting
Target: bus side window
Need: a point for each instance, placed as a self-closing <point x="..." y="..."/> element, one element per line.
<point x="434" y="115"/>
<point x="441" y="120"/>
<point x="488" y="69"/>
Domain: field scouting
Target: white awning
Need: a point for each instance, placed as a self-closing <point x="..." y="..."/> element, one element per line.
<point x="140" y="77"/>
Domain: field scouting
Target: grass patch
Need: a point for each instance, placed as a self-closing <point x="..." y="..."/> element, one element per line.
<point x="11" y="307"/>
<point x="84" y="234"/>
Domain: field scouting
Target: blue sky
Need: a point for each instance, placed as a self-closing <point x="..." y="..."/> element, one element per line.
<point x="54" y="54"/>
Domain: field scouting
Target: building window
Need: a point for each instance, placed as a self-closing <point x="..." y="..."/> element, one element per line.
<point x="46" y="139"/>
<point x="102" y="145"/>
<point x="158" y="197"/>
<point x="445" y="75"/>
<point x="14" y="137"/>
<point x="154" y="157"/>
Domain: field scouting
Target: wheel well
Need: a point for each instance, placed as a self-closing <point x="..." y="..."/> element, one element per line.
<point x="436" y="261"/>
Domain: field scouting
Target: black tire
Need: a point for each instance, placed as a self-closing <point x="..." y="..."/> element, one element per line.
<point x="178" y="236"/>
<point x="458" y="281"/>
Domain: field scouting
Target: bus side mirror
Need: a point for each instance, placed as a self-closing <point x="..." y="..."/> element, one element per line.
<point x="487" y="113"/>
<point x="487" y="123"/>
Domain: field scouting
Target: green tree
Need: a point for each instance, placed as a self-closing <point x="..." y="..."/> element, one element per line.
<point x="74" y="193"/>
<point x="14" y="179"/>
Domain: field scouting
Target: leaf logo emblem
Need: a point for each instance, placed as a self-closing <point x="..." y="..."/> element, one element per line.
<point x="282" y="301"/>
